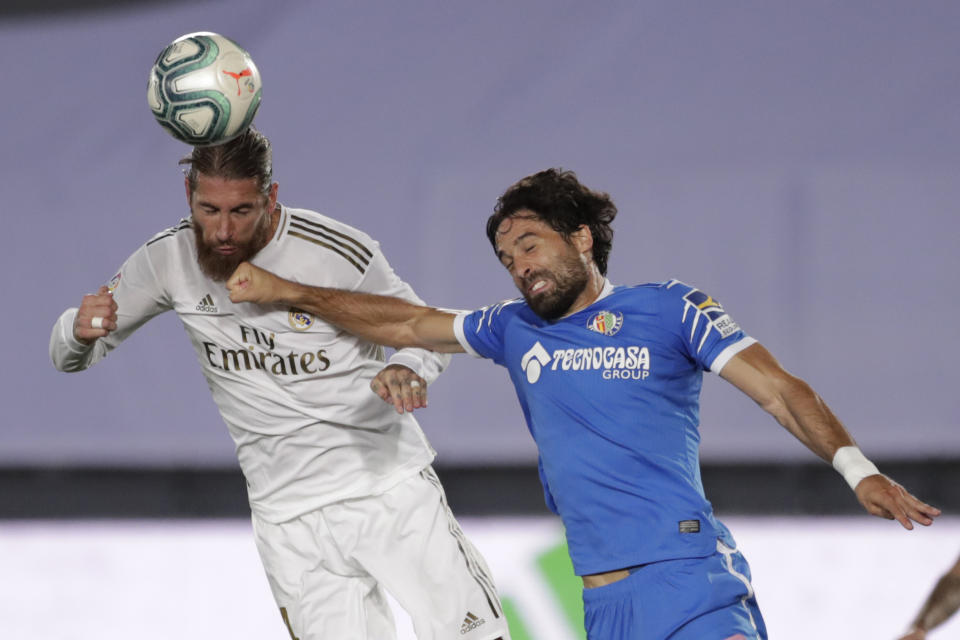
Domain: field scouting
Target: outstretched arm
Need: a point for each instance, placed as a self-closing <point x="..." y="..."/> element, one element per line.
<point x="942" y="603"/>
<point x="380" y="319"/>
<point x="803" y="413"/>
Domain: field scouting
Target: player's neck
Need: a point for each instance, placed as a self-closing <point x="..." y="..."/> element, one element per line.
<point x="271" y="232"/>
<point x="590" y="292"/>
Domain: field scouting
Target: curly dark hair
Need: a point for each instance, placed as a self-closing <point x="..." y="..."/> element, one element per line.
<point x="558" y="198"/>
<point x="246" y="156"/>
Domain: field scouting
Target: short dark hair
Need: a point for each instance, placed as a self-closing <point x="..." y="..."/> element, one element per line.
<point x="246" y="156"/>
<point x="558" y="198"/>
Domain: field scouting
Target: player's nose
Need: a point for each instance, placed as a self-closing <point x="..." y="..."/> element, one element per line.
<point x="224" y="228"/>
<point x="521" y="267"/>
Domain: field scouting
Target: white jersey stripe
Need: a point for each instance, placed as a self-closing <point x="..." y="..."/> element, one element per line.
<point x="728" y="560"/>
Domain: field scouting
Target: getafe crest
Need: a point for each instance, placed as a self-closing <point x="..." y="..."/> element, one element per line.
<point x="299" y="320"/>
<point x="605" y="322"/>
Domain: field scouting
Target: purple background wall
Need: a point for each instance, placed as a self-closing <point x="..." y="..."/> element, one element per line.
<point x="799" y="161"/>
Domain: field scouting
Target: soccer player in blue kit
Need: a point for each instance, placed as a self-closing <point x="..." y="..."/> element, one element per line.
<point x="608" y="378"/>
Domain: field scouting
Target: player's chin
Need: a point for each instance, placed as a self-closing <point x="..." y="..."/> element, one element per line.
<point x="219" y="267"/>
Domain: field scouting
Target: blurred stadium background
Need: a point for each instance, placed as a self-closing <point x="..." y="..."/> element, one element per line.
<point x="798" y="161"/>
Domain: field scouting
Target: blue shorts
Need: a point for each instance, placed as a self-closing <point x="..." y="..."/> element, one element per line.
<point x="707" y="598"/>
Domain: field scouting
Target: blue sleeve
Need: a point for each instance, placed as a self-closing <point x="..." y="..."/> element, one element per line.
<point x="709" y="335"/>
<point x="480" y="332"/>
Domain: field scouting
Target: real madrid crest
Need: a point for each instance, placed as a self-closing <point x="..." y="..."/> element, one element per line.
<point x="299" y="320"/>
<point x="605" y="322"/>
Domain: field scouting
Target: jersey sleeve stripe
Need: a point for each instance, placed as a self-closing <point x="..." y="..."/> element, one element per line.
<point x="330" y="241"/>
<point x="461" y="336"/>
<point x="727" y="354"/>
<point x="703" y="340"/>
<point x="325" y="245"/>
<point x="183" y="224"/>
<point x="328" y="230"/>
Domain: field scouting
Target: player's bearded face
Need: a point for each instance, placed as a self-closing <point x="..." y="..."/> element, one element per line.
<point x="570" y="277"/>
<point x="546" y="267"/>
<point x="218" y="260"/>
<point x="232" y="221"/>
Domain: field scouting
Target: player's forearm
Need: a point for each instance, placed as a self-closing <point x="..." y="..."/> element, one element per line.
<point x="942" y="603"/>
<point x="804" y="413"/>
<point x="385" y="320"/>
<point x="380" y="319"/>
<point x="790" y="400"/>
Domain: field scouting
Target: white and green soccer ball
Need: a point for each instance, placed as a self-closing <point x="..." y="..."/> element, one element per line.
<point x="204" y="89"/>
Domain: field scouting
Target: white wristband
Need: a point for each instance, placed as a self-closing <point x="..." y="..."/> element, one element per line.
<point x="853" y="465"/>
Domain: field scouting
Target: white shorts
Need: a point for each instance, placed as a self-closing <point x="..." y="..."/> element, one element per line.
<point x="328" y="568"/>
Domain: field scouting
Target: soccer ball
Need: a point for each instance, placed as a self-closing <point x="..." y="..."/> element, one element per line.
<point x="204" y="89"/>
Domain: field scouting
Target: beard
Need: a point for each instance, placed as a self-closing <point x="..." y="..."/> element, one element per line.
<point x="219" y="267"/>
<point x="570" y="278"/>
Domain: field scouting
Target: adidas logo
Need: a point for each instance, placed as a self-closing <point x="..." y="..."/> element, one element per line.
<point x="206" y="304"/>
<point x="470" y="623"/>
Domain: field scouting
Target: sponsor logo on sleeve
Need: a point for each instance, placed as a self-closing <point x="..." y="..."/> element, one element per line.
<point x="703" y="305"/>
<point x="114" y="283"/>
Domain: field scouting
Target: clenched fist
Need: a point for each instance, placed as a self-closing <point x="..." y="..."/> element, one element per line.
<point x="96" y="317"/>
<point x="253" y="284"/>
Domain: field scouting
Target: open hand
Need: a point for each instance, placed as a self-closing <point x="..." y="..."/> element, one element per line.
<point x="884" y="498"/>
<point x="400" y="386"/>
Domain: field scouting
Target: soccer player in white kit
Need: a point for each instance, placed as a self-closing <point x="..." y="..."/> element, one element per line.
<point x="344" y="501"/>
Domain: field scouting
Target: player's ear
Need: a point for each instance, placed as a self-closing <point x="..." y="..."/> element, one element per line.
<point x="272" y="197"/>
<point x="582" y="239"/>
<point x="186" y="186"/>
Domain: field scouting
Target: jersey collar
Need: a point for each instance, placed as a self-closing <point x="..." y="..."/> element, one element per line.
<point x="604" y="292"/>
<point x="607" y="290"/>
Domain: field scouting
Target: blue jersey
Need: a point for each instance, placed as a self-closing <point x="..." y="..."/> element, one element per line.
<point x="611" y="397"/>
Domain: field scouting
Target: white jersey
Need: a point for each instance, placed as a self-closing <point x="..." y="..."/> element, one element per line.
<point x="293" y="390"/>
